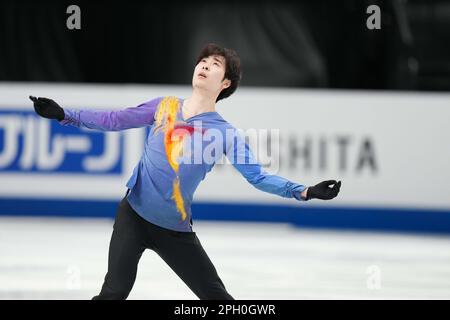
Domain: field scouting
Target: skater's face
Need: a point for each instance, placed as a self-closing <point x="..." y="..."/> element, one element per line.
<point x="209" y="75"/>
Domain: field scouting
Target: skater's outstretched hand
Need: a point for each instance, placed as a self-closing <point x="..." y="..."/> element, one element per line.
<point x="323" y="191"/>
<point x="47" y="108"/>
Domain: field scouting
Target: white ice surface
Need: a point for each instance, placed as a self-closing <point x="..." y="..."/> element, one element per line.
<point x="66" y="258"/>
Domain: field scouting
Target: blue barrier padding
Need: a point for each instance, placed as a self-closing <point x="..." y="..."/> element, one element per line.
<point x="328" y="216"/>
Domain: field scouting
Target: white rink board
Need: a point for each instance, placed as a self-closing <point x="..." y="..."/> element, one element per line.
<point x="408" y="133"/>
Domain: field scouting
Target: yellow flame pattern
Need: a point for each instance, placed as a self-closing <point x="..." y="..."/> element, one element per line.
<point x="165" y="119"/>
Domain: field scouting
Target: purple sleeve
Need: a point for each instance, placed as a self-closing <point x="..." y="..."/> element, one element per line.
<point x="134" y="117"/>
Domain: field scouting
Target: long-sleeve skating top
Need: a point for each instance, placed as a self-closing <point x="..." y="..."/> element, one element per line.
<point x="178" y="154"/>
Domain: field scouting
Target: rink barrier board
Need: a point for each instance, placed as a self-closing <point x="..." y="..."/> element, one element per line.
<point x="326" y="217"/>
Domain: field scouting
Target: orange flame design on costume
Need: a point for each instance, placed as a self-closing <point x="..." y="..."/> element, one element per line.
<point x="165" y="119"/>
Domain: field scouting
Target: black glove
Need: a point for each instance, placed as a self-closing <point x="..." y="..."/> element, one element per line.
<point x="47" y="108"/>
<point x="322" y="191"/>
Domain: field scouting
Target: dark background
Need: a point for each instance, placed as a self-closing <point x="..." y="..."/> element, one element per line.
<point x="314" y="44"/>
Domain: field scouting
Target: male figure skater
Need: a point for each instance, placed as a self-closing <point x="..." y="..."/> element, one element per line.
<point x="156" y="210"/>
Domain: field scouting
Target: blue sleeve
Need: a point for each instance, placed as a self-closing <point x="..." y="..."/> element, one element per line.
<point x="133" y="117"/>
<point x="240" y="155"/>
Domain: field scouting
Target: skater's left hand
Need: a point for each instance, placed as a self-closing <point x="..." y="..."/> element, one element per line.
<point x="323" y="191"/>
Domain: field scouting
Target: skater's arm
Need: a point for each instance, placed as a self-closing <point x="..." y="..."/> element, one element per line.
<point x="133" y="117"/>
<point x="240" y="155"/>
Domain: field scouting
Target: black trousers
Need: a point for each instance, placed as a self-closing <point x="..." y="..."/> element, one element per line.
<point x="182" y="251"/>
